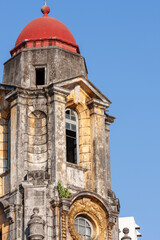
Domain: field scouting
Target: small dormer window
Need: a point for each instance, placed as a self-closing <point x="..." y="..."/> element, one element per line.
<point x="40" y="76"/>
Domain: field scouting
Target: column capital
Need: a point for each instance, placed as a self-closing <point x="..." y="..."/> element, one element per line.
<point x="109" y="119"/>
<point x="97" y="103"/>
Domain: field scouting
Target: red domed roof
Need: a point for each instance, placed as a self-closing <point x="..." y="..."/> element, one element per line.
<point x="46" y="28"/>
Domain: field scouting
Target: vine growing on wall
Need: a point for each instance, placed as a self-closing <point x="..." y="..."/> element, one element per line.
<point x="63" y="192"/>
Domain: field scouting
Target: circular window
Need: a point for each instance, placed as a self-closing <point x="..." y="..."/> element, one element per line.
<point x="83" y="227"/>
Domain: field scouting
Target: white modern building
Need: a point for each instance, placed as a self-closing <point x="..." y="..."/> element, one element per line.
<point x="130" y="224"/>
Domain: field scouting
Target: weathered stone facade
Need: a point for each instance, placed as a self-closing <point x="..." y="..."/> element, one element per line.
<point x="33" y="150"/>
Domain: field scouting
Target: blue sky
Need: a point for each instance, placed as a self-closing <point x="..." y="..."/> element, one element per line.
<point x="121" y="43"/>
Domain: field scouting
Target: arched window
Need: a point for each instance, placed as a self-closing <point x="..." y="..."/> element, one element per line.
<point x="83" y="227"/>
<point x="71" y="136"/>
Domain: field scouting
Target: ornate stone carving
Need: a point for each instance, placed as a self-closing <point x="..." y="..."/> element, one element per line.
<point x="126" y="232"/>
<point x="38" y="177"/>
<point x="36" y="226"/>
<point x="8" y="211"/>
<point x="109" y="232"/>
<point x="37" y="140"/>
<point x="63" y="225"/>
<point x="91" y="209"/>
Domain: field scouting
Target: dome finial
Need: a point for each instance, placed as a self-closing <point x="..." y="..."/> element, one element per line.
<point x="45" y="9"/>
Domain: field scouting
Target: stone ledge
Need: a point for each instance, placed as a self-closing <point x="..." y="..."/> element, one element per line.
<point x="72" y="165"/>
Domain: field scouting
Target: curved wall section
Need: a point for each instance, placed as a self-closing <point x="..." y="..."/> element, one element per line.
<point x="37" y="142"/>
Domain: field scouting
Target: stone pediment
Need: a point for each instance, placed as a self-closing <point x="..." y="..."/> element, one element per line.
<point x="87" y="87"/>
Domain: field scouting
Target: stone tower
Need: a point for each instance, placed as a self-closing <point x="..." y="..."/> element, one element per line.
<point x="55" y="181"/>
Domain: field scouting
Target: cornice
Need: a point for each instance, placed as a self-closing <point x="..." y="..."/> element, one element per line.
<point x="109" y="119"/>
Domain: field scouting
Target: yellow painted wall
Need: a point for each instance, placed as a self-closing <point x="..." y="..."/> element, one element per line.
<point x="4" y="225"/>
<point x="77" y="100"/>
<point x="4" y="119"/>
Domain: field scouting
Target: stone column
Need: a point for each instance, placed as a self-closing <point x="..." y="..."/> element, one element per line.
<point x="98" y="145"/>
<point x="64" y="208"/>
<point x="13" y="147"/>
<point x="56" y="214"/>
<point x="57" y="130"/>
<point x="109" y="232"/>
<point x="108" y="120"/>
<point x="18" y="114"/>
<point x="16" y="168"/>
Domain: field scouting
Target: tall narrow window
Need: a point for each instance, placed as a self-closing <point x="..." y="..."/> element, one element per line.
<point x="71" y="136"/>
<point x="40" y="76"/>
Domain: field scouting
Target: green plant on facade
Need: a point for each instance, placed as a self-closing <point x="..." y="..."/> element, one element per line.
<point x="63" y="192"/>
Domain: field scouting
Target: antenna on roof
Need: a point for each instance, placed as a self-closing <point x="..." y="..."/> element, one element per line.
<point x="45" y="2"/>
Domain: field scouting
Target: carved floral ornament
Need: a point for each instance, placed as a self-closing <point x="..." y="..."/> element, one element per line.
<point x="92" y="211"/>
<point x="77" y="96"/>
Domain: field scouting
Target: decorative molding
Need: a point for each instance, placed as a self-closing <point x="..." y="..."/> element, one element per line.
<point x="36" y="226"/>
<point x="8" y="210"/>
<point x="109" y="232"/>
<point x="72" y="165"/>
<point x="64" y="225"/>
<point x="92" y="210"/>
<point x="109" y="119"/>
<point x="96" y="102"/>
<point x="88" y="86"/>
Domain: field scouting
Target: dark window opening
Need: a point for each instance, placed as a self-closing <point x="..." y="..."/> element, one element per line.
<point x="71" y="136"/>
<point x="71" y="146"/>
<point x="40" y="76"/>
<point x="0" y="234"/>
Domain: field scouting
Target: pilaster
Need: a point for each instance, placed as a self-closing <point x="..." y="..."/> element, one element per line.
<point x="108" y="120"/>
<point x="98" y="142"/>
<point x="58" y="147"/>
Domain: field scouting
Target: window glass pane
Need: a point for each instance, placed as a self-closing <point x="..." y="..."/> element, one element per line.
<point x="76" y="221"/>
<point x="87" y="224"/>
<point x="68" y="126"/>
<point x="73" y="127"/>
<point x="82" y="230"/>
<point x="82" y="221"/>
<point x="76" y="227"/>
<point x="73" y="118"/>
<point x="67" y="116"/>
<point x="88" y="231"/>
<point x="83" y="227"/>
